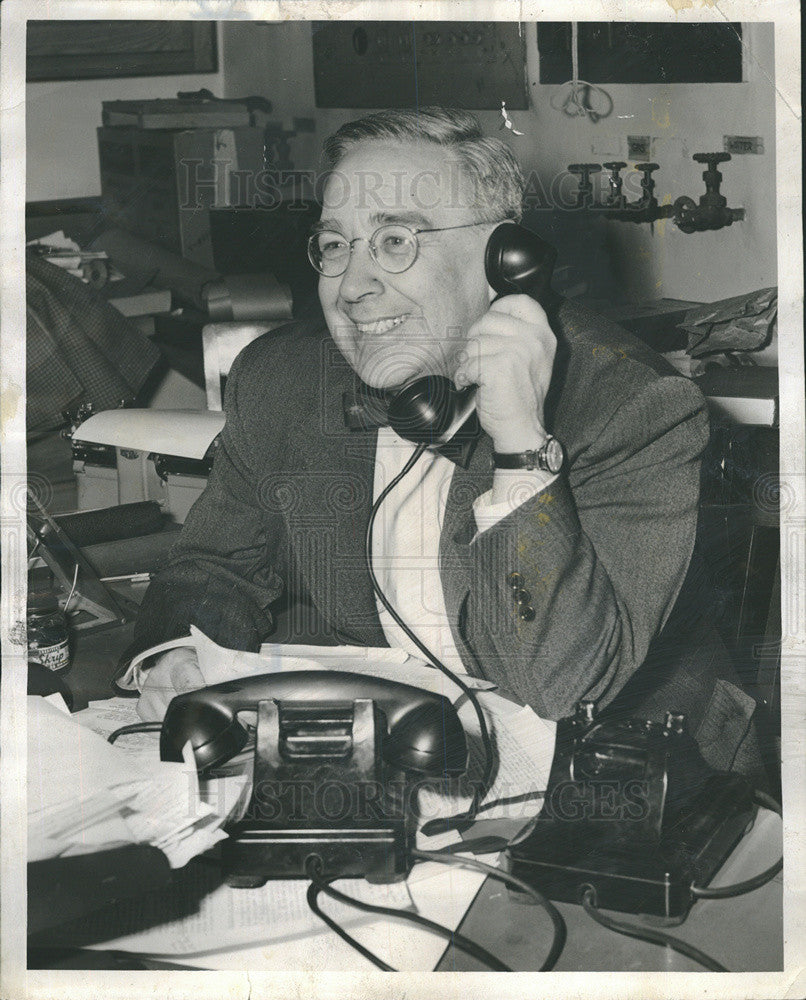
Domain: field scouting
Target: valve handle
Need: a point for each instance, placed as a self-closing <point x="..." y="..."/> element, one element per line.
<point x="711" y="158"/>
<point x="615" y="165"/>
<point x="683" y="217"/>
<point x="647" y="168"/>
<point x="584" y="168"/>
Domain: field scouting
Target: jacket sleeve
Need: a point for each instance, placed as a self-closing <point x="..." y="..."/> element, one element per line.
<point x="601" y="553"/>
<point x="222" y="574"/>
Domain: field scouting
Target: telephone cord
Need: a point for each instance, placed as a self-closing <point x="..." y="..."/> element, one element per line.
<point x="698" y="892"/>
<point x="740" y="888"/>
<point x="560" y="930"/>
<point x="135" y="727"/>
<point x="462" y="818"/>
<point x="649" y="934"/>
<point x="458" y="940"/>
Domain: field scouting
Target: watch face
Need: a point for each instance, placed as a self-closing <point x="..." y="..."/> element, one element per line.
<point x="553" y="452"/>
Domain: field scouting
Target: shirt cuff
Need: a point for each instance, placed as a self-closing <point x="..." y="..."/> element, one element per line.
<point x="488" y="514"/>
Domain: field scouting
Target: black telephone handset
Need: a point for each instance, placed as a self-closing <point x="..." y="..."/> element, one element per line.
<point x="516" y="261"/>
<point x="423" y="731"/>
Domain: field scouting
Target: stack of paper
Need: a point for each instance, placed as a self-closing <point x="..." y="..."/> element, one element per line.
<point x="227" y="797"/>
<point x="217" y="663"/>
<point x="86" y="795"/>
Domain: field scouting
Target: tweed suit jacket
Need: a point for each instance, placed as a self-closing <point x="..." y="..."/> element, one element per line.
<point x="603" y="552"/>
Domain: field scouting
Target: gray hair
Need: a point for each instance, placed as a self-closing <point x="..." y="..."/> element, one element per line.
<point x="488" y="164"/>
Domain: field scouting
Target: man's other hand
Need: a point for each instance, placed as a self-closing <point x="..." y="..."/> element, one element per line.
<point x="509" y="355"/>
<point x="173" y="673"/>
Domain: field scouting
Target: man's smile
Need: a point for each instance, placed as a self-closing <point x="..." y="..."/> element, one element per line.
<point x="380" y="325"/>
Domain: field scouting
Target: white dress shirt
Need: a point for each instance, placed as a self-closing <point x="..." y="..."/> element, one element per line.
<point x="405" y="549"/>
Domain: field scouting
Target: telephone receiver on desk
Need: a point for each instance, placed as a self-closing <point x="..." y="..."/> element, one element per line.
<point x="423" y="731"/>
<point x="516" y="262"/>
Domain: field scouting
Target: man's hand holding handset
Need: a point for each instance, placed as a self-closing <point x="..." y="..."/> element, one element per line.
<point x="509" y="354"/>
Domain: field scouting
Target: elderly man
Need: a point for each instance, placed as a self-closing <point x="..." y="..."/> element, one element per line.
<point x="556" y="583"/>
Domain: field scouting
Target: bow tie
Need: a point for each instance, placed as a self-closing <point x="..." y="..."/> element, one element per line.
<point x="367" y="408"/>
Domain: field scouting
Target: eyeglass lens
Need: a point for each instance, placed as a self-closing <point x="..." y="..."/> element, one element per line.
<point x="393" y="247"/>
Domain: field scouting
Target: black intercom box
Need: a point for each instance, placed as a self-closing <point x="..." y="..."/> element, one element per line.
<point x="633" y="815"/>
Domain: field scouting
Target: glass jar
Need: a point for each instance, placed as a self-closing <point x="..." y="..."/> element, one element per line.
<point x="48" y="634"/>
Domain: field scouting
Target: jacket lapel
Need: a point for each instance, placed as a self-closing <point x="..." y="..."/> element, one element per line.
<point x="328" y="515"/>
<point x="459" y="527"/>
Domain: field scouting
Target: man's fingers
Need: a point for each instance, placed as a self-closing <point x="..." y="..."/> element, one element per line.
<point x="485" y="354"/>
<point x="521" y="307"/>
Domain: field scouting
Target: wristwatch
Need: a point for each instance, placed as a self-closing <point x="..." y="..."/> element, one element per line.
<point x="548" y="458"/>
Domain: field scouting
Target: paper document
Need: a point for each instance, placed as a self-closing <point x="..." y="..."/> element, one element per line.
<point x="104" y="717"/>
<point x="524" y="746"/>
<point x="87" y="795"/>
<point x="211" y="925"/>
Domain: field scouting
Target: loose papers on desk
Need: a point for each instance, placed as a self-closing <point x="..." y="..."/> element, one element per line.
<point x="218" y="664"/>
<point x="86" y="795"/>
<point x="209" y="925"/>
<point x="214" y="926"/>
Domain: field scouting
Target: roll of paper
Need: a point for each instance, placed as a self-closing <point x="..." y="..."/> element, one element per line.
<point x="243" y="297"/>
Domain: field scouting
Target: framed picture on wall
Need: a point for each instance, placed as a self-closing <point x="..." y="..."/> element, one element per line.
<point x="82" y="50"/>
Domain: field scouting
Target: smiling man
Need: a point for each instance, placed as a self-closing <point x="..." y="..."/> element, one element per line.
<point x="552" y="560"/>
<point x="429" y="212"/>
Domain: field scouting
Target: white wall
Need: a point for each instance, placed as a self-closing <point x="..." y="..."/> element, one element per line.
<point x="277" y="61"/>
<point x="61" y="119"/>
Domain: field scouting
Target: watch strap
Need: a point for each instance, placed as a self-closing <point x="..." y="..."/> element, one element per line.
<point x="537" y="458"/>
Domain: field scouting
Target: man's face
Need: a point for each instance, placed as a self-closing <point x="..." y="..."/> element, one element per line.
<point x="394" y="327"/>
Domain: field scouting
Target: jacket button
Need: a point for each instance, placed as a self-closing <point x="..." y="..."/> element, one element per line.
<point x="526" y="614"/>
<point x="522" y="596"/>
<point x="515" y="581"/>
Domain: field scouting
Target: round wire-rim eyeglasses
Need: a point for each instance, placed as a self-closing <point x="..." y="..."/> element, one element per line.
<point x="393" y="247"/>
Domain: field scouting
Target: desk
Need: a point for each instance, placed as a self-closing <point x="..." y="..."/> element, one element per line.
<point x="744" y="934"/>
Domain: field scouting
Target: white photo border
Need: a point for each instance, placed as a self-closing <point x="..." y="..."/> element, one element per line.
<point x="51" y="985"/>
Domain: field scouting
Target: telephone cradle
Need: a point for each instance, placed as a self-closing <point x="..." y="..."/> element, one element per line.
<point x="634" y="813"/>
<point x="337" y="756"/>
